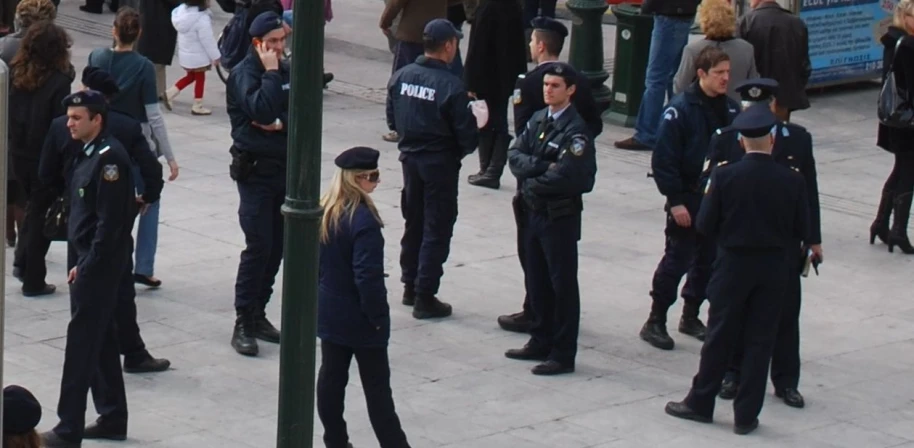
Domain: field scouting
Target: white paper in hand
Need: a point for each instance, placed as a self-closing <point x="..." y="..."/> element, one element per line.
<point x="481" y="112"/>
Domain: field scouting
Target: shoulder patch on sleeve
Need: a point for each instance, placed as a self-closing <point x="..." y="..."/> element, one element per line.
<point x="111" y="173"/>
<point x="671" y="113"/>
<point x="578" y="144"/>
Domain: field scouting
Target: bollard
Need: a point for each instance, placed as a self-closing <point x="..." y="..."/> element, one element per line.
<point x="4" y="122"/>
<point x="586" y="53"/>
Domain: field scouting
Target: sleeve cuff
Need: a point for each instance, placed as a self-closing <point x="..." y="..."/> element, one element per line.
<point x="675" y="200"/>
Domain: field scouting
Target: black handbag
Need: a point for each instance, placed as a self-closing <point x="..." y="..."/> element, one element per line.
<point x="894" y="104"/>
<point x="55" y="221"/>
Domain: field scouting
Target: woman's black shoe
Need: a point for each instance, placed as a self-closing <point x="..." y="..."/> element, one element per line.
<point x="146" y="281"/>
<point x="327" y="78"/>
<point x="898" y="236"/>
<point x="880" y="226"/>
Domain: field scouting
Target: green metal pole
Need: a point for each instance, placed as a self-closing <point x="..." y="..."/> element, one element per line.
<point x="302" y="212"/>
<point x="587" y="45"/>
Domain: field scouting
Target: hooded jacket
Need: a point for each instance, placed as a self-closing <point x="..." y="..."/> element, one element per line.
<point x="196" y="45"/>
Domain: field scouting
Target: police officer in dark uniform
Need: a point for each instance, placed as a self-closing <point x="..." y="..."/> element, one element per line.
<point x="793" y="149"/>
<point x="682" y="144"/>
<point x="55" y="170"/>
<point x="102" y="207"/>
<point x="545" y="45"/>
<point x="555" y="163"/>
<point x="429" y="108"/>
<point x="257" y="101"/>
<point x="756" y="210"/>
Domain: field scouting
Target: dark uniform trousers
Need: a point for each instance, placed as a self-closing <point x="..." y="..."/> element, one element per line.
<point x="746" y="295"/>
<point x="33" y="245"/>
<point x="262" y="196"/>
<point x="520" y="219"/>
<point x="551" y="277"/>
<point x="429" y="205"/>
<point x="686" y="253"/>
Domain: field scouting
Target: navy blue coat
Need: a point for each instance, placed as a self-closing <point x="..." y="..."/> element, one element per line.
<point x="352" y="307"/>
<point x="254" y="94"/>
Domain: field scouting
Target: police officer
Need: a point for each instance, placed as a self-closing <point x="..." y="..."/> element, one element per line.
<point x="429" y="108"/>
<point x="102" y="207"/>
<point x="792" y="149"/>
<point x="682" y="143"/>
<point x="545" y="45"/>
<point x="257" y="100"/>
<point x="756" y="210"/>
<point x="56" y="160"/>
<point x="554" y="161"/>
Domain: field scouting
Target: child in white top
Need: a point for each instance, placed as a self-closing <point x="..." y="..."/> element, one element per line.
<point x="197" y="50"/>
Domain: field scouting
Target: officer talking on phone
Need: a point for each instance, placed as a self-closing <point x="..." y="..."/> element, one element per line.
<point x="257" y="100"/>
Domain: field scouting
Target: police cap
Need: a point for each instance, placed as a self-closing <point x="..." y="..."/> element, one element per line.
<point x="758" y="89"/>
<point x="564" y="70"/>
<point x="264" y="23"/>
<point x="87" y="98"/>
<point x="99" y="80"/>
<point x="549" y="24"/>
<point x="756" y="121"/>
<point x="440" y="30"/>
<point x="358" y="158"/>
<point x="21" y="411"/>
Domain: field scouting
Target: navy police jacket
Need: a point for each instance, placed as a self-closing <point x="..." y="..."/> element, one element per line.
<point x="254" y="94"/>
<point x="553" y="161"/>
<point x="792" y="149"/>
<point x="352" y="307"/>
<point x="683" y="136"/>
<point x="528" y="98"/>
<point x="429" y="108"/>
<point x="102" y="207"/>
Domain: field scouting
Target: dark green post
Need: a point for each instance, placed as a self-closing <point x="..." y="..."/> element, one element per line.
<point x="587" y="45"/>
<point x="302" y="212"/>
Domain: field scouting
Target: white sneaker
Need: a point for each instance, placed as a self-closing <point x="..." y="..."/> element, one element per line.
<point x="198" y="109"/>
<point x="169" y="95"/>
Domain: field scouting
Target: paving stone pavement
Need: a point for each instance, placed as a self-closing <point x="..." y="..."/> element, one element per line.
<point x="452" y="386"/>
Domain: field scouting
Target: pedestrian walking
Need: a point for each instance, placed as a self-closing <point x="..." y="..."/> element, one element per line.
<point x="102" y="204"/>
<point x="137" y="98"/>
<point x="159" y="38"/>
<point x="899" y="186"/>
<point x="197" y="51"/>
<point x="258" y="108"/>
<point x="21" y="414"/>
<point x="781" y="42"/>
<point x="555" y="163"/>
<point x="353" y="314"/>
<point x="429" y="108"/>
<point x="677" y="163"/>
<point x="756" y="210"/>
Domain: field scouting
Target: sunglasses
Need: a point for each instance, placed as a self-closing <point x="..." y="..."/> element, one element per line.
<point x="372" y="177"/>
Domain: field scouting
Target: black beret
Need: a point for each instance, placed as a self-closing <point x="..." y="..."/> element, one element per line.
<point x="21" y="411"/>
<point x="756" y="121"/>
<point x="562" y="69"/>
<point x="758" y="89"/>
<point x="88" y="98"/>
<point x="549" y="24"/>
<point x="264" y="23"/>
<point x="99" y="80"/>
<point x="358" y="158"/>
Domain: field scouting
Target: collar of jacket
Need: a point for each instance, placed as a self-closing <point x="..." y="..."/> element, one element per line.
<point x="563" y="119"/>
<point x="694" y="94"/>
<point x="758" y="156"/>
<point x="431" y="62"/>
<point x="772" y="5"/>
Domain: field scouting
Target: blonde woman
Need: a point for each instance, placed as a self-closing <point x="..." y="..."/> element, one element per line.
<point x="718" y="23"/>
<point x="353" y="317"/>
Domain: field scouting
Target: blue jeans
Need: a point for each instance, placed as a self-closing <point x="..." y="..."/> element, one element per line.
<point x="668" y="39"/>
<point x="147" y="233"/>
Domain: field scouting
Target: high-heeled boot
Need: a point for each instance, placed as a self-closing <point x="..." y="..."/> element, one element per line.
<point x="486" y="145"/>
<point x="898" y="236"/>
<point x="491" y="178"/>
<point x="880" y="226"/>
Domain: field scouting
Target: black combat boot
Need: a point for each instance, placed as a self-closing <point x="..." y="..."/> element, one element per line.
<point x="409" y="295"/>
<point x="264" y="329"/>
<point x="429" y="307"/>
<point x="690" y="324"/>
<point x="486" y="145"/>
<point x="243" y="339"/>
<point x="143" y="362"/>
<point x="880" y="226"/>
<point x="654" y="332"/>
<point x="492" y="176"/>
<point x="898" y="236"/>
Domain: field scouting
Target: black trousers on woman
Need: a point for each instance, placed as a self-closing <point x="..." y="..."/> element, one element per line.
<point x="374" y="370"/>
<point x="33" y="245"/>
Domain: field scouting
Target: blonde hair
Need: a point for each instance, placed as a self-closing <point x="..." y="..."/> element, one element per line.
<point x="717" y="19"/>
<point x="34" y="11"/>
<point x="902" y="9"/>
<point x="342" y="198"/>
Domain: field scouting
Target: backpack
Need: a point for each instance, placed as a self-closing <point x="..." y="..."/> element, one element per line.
<point x="894" y="106"/>
<point x="234" y="42"/>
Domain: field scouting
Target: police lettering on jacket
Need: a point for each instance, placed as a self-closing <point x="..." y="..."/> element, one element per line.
<point x="421" y="92"/>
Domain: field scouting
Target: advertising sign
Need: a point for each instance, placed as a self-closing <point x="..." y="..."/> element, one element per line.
<point x="844" y="38"/>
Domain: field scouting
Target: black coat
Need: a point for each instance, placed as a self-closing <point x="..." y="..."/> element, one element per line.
<point x="892" y="139"/>
<point x="496" y="54"/>
<point x="781" y="43"/>
<point x="158" y="39"/>
<point x="34" y="112"/>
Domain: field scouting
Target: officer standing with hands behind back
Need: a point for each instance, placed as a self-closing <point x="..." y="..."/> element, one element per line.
<point x="555" y="163"/>
<point x="428" y="106"/>
<point x="257" y="100"/>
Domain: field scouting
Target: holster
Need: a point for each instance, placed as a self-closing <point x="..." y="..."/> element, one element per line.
<point x="242" y="164"/>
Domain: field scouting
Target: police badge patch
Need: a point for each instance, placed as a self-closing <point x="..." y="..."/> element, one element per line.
<point x="517" y="97"/>
<point x="577" y="146"/>
<point x="110" y="173"/>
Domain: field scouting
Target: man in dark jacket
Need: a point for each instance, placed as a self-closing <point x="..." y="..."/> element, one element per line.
<point x="682" y="144"/>
<point x="429" y="108"/>
<point x="158" y="39"/>
<point x="781" y="43"/>
<point x="494" y="59"/>
<point x="672" y="22"/>
<point x="257" y="101"/>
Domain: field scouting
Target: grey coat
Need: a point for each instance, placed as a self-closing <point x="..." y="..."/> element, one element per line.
<point x="9" y="45"/>
<point x="742" y="63"/>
